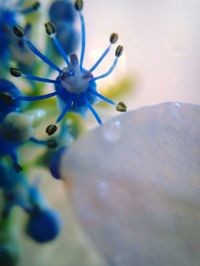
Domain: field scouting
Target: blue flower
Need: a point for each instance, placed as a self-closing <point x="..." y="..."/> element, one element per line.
<point x="75" y="86"/>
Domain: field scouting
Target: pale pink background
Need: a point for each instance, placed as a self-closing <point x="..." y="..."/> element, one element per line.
<point x="162" y="45"/>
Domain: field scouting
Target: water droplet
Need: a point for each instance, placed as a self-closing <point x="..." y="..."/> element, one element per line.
<point x="178" y="105"/>
<point x="176" y="109"/>
<point x="112" y="131"/>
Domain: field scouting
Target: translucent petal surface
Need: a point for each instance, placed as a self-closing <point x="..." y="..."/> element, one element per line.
<point x="135" y="186"/>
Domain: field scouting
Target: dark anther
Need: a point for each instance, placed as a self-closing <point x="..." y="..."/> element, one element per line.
<point x="19" y="32"/>
<point x="52" y="144"/>
<point x="6" y="97"/>
<point x="79" y="5"/>
<point x="51" y="129"/>
<point x="119" y="51"/>
<point x="50" y="28"/>
<point x="121" y="107"/>
<point x="113" y="38"/>
<point x="17" y="167"/>
<point x="36" y="5"/>
<point x="15" y="72"/>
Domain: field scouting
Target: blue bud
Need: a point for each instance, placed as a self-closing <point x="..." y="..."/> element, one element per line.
<point x="62" y="10"/>
<point x="43" y="225"/>
<point x="55" y="161"/>
<point x="68" y="36"/>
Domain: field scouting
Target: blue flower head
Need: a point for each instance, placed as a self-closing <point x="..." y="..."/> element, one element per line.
<point x="10" y="14"/>
<point x="75" y="86"/>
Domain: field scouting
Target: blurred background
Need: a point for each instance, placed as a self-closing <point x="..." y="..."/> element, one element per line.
<point x="161" y="41"/>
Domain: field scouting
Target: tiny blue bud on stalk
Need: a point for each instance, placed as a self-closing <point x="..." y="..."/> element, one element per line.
<point x="43" y="225"/>
<point x="62" y="11"/>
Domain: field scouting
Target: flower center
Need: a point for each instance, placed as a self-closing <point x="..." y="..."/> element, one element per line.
<point x="73" y="79"/>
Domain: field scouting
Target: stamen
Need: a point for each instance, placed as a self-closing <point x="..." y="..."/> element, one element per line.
<point x="100" y="59"/>
<point x="19" y="32"/>
<point x="50" y="28"/>
<point x="52" y="144"/>
<point x="30" y="9"/>
<point x="74" y="59"/>
<point x="36" y="98"/>
<point x="82" y="41"/>
<point x="51" y="31"/>
<point x="31" y="77"/>
<point x="6" y="97"/>
<point x="105" y="99"/>
<point x="61" y="116"/>
<point x="16" y="165"/>
<point x="79" y="6"/>
<point x="93" y="112"/>
<point x="17" y="73"/>
<point x="113" y="39"/>
<point x="37" y="141"/>
<point x="108" y="72"/>
<point x="51" y="129"/>
<point x="118" y="53"/>
<point x="121" y="107"/>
